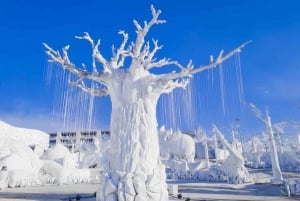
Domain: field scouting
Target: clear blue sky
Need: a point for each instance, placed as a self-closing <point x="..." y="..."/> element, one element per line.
<point x="194" y="30"/>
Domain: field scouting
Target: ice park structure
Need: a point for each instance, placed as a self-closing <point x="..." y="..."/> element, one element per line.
<point x="134" y="162"/>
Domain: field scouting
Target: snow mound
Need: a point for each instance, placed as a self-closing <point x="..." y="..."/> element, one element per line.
<point x="30" y="137"/>
<point x="176" y="145"/>
<point x="19" y="164"/>
<point x="64" y="175"/>
<point x="57" y="153"/>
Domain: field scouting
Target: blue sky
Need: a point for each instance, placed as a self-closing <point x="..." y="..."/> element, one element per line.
<point x="194" y="30"/>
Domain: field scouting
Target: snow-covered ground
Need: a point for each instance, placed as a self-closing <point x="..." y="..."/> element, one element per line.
<point x="219" y="191"/>
<point x="193" y="190"/>
<point x="49" y="192"/>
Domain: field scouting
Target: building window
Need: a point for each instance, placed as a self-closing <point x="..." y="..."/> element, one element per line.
<point x="105" y="132"/>
<point x="88" y="133"/>
<point x="52" y="141"/>
<point x="68" y="134"/>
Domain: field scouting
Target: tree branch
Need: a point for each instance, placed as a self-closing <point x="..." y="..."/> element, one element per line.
<point x="258" y="113"/>
<point x="94" y="91"/>
<point x="161" y="63"/>
<point x="97" y="56"/>
<point x="118" y="58"/>
<point x="190" y="70"/>
<point x="150" y="56"/>
<point x="65" y="62"/>
<point x="141" y="34"/>
<point x="170" y="85"/>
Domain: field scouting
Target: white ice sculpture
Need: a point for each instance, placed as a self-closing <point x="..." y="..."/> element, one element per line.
<point x="207" y="165"/>
<point x="21" y="164"/>
<point x="253" y="151"/>
<point x="277" y="174"/>
<point x="135" y="171"/>
<point x="29" y="137"/>
<point x="176" y="145"/>
<point x="202" y="137"/>
<point x="233" y="167"/>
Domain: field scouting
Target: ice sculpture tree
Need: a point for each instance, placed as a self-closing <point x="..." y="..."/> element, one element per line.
<point x="134" y="171"/>
<point x="233" y="166"/>
<point x="277" y="174"/>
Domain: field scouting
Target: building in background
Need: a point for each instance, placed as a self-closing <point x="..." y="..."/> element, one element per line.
<point x="73" y="139"/>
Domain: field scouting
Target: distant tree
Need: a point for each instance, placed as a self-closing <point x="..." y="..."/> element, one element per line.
<point x="135" y="171"/>
<point x="277" y="174"/>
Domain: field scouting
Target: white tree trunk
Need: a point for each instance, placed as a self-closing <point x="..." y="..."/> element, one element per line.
<point x="207" y="165"/>
<point x="277" y="175"/>
<point x="135" y="172"/>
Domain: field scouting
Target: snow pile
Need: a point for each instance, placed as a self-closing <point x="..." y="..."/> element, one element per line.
<point x="176" y="145"/>
<point x="221" y="154"/>
<point x="61" y="166"/>
<point x="253" y="153"/>
<point x="179" y="160"/>
<point x="235" y="171"/>
<point x="94" y="155"/>
<point x="257" y="155"/>
<point x="290" y="161"/>
<point x="60" y="174"/>
<point x="26" y="136"/>
<point x="233" y="167"/>
<point x="20" y="163"/>
<point x="57" y="153"/>
<point x="292" y="187"/>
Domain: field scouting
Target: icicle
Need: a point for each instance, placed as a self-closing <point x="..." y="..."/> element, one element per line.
<point x="239" y="79"/>
<point x="72" y="105"/>
<point x="48" y="66"/>
<point x="212" y="96"/>
<point x="222" y="87"/>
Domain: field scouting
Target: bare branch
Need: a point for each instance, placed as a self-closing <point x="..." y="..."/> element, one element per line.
<point x="142" y="31"/>
<point x="279" y="127"/>
<point x="97" y="56"/>
<point x="189" y="70"/>
<point x="220" y="58"/>
<point x="148" y="65"/>
<point x="93" y="91"/>
<point x="118" y="58"/>
<point x="137" y="26"/>
<point x="161" y="63"/>
<point x="144" y="52"/>
<point x="156" y="48"/>
<point x="258" y="113"/>
<point x="170" y="85"/>
<point x="185" y="70"/>
<point x="65" y="62"/>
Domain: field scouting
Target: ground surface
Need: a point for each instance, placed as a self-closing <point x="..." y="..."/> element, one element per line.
<point x="48" y="192"/>
<point x="260" y="189"/>
<point x="195" y="191"/>
<point x="222" y="192"/>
